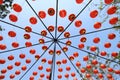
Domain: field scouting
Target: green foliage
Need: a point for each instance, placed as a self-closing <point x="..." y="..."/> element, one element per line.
<point x="4" y="8"/>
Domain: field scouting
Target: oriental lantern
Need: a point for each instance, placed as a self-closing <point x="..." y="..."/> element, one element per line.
<point x="3" y="46"/>
<point x="97" y="25"/>
<point x="32" y="51"/>
<point x="66" y="75"/>
<point x="108" y="1"/>
<point x="12" y="76"/>
<point x="51" y="11"/>
<point x="2" y="61"/>
<point x="73" y="74"/>
<point x="59" y="76"/>
<point x="51" y="28"/>
<point x="66" y="34"/>
<point x="15" y="44"/>
<point x="60" y="28"/>
<point x="22" y="56"/>
<point x="23" y="68"/>
<point x="28" y="29"/>
<point x="44" y="47"/>
<point x="79" y="1"/>
<point x="13" y="17"/>
<point x="51" y="52"/>
<point x="17" y="7"/>
<point x="43" y="32"/>
<point x="111" y="10"/>
<point x="64" y="61"/>
<point x="68" y="68"/>
<point x="33" y="20"/>
<point x="96" y="40"/>
<point x="82" y="31"/>
<point x="49" y="62"/>
<point x="3" y="71"/>
<point x="17" y="63"/>
<point x="78" y="64"/>
<point x="113" y="20"/>
<point x="12" y="33"/>
<point x="35" y="73"/>
<point x="85" y="58"/>
<point x="42" y="75"/>
<point x="60" y="69"/>
<point x="48" y="69"/>
<point x="10" y="67"/>
<point x="58" y="52"/>
<point x="28" y="61"/>
<point x="17" y="72"/>
<point x="28" y="44"/>
<point x="26" y="36"/>
<point x="42" y="14"/>
<point x="78" y="23"/>
<point x="83" y="39"/>
<point x="81" y="46"/>
<point x="40" y="67"/>
<point x="68" y="43"/>
<point x="10" y="57"/>
<point x="58" y="63"/>
<point x="65" y="49"/>
<point x="41" y="41"/>
<point x="71" y="17"/>
<point x="1" y="38"/>
<point x="111" y="36"/>
<point x="62" y="13"/>
<point x="43" y="60"/>
<point x="75" y="54"/>
<point x="93" y="13"/>
<point x="37" y="56"/>
<point x="71" y="58"/>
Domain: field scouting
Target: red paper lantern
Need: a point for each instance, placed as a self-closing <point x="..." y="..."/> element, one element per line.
<point x="15" y="44"/>
<point x="17" y="7"/>
<point x="1" y="38"/>
<point x="28" y="44"/>
<point x="32" y="51"/>
<point x="28" y="29"/>
<point x="51" y="11"/>
<point x="26" y="36"/>
<point x="96" y="40"/>
<point x="17" y="63"/>
<point x="24" y="68"/>
<point x="43" y="32"/>
<point x="111" y="10"/>
<point x="81" y="46"/>
<point x="66" y="34"/>
<point x="42" y="14"/>
<point x="60" y="28"/>
<point x="79" y="1"/>
<point x="13" y="17"/>
<point x="2" y="61"/>
<point x="3" y="71"/>
<point x="108" y="1"/>
<point x="93" y="14"/>
<point x="97" y="25"/>
<point x="12" y="33"/>
<point x="11" y="57"/>
<point x="82" y="31"/>
<point x="62" y="13"/>
<point x="17" y="72"/>
<point x="51" y="28"/>
<point x="22" y="56"/>
<point x="33" y="20"/>
<point x="113" y="20"/>
<point x="10" y="67"/>
<point x="71" y="17"/>
<point x="78" y="23"/>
